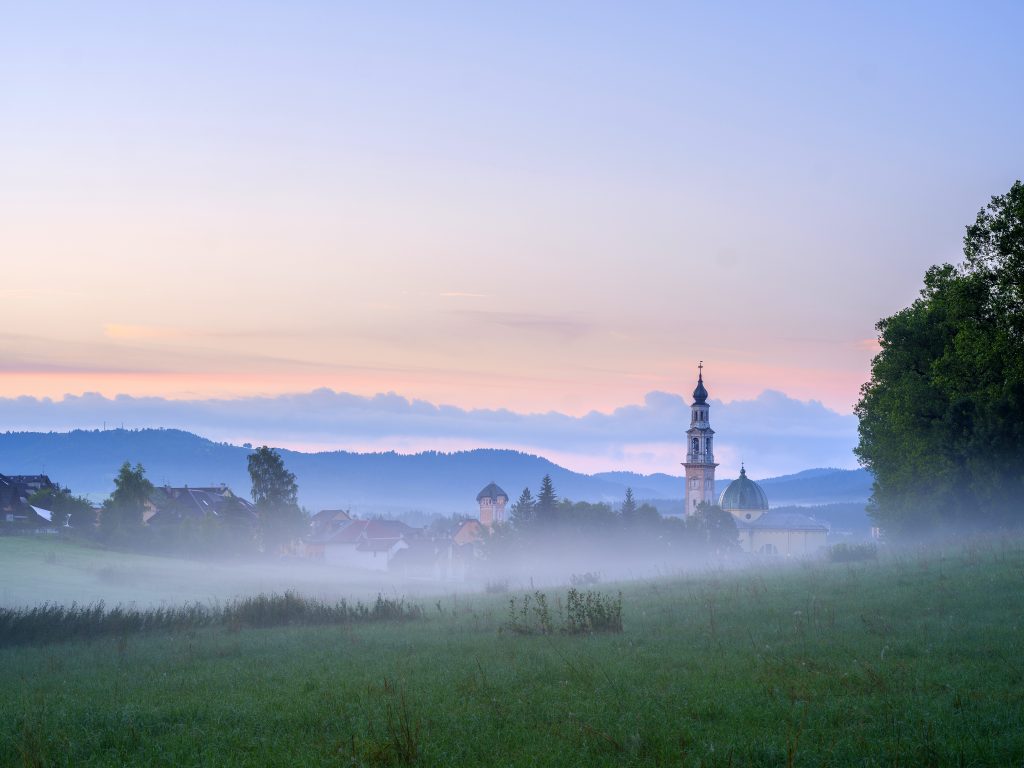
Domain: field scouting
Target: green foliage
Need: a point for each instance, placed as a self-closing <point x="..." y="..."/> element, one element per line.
<point x="49" y="623"/>
<point x="272" y="484"/>
<point x="584" y="516"/>
<point x="121" y="519"/>
<point x="628" y="508"/>
<point x="73" y="511"/>
<point x="522" y="512"/>
<point x="275" y="494"/>
<point x="583" y="612"/>
<point x="942" y="418"/>
<point x="547" y="501"/>
<point x="590" y="611"/>
<point x="714" y="528"/>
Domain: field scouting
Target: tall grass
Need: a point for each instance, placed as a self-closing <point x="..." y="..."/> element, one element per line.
<point x="584" y="612"/>
<point x="49" y="622"/>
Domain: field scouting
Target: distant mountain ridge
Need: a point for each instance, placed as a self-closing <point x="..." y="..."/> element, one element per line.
<point x="366" y="483"/>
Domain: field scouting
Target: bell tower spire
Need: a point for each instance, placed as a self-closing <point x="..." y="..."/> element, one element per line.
<point x="700" y="457"/>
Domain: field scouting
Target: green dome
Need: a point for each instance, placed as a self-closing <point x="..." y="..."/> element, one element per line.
<point x="743" y="493"/>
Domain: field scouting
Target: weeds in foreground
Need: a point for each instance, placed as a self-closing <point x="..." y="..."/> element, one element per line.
<point x="844" y="552"/>
<point x="585" y="612"/>
<point x="49" y="622"/>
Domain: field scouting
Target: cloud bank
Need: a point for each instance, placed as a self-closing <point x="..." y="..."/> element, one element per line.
<point x="774" y="434"/>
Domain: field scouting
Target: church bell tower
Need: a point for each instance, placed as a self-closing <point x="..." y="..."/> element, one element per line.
<point x="700" y="458"/>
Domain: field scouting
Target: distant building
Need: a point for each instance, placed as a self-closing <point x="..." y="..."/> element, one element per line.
<point x="468" y="532"/>
<point x="15" y="491"/>
<point x="366" y="544"/>
<point x="171" y="506"/>
<point x="765" y="532"/>
<point x="761" y="530"/>
<point x="329" y="521"/>
<point x="700" y="455"/>
<point x="492" y="500"/>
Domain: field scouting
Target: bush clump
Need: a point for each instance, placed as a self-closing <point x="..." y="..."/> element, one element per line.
<point x="583" y="612"/>
<point x="49" y="622"/>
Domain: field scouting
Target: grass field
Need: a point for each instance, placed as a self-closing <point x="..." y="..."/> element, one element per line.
<point x="48" y="569"/>
<point x="913" y="660"/>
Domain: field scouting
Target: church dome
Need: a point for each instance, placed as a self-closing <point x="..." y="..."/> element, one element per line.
<point x="743" y="495"/>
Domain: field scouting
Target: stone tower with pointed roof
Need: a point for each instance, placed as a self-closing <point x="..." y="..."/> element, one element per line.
<point x="700" y="457"/>
<point x="492" y="502"/>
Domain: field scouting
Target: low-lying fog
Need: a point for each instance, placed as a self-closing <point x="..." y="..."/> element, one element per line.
<point x="44" y="569"/>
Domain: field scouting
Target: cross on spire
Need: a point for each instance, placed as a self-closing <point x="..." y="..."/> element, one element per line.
<point x="700" y="370"/>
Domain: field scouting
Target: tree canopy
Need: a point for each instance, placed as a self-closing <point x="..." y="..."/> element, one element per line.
<point x="73" y="511"/>
<point x="942" y="418"/>
<point x="275" y="494"/>
<point x="123" y="511"/>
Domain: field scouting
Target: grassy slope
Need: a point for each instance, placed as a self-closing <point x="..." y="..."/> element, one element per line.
<point x="44" y="569"/>
<point x="912" y="661"/>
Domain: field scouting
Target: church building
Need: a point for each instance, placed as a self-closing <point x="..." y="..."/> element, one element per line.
<point x="700" y="456"/>
<point x="762" y="531"/>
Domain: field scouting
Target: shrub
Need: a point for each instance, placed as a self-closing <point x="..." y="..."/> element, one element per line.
<point x="585" y="613"/>
<point x="591" y="611"/>
<point x="850" y="553"/>
<point x="54" y="623"/>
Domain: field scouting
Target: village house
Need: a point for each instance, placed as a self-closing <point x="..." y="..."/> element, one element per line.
<point x="169" y="506"/>
<point x="366" y="544"/>
<point x="15" y="491"/>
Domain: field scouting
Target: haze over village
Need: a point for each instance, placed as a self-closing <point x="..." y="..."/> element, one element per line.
<point x="511" y="384"/>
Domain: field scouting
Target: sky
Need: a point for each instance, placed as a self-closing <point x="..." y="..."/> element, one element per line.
<point x="533" y="207"/>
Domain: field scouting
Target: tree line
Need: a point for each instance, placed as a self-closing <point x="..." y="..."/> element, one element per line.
<point x="120" y="520"/>
<point x="709" y="530"/>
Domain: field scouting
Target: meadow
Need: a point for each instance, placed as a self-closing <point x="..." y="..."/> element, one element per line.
<point x="910" y="660"/>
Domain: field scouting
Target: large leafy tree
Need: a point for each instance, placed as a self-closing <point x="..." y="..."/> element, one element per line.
<point x="73" y="511"/>
<point x="275" y="494"/>
<point x="123" y="511"/>
<point x="942" y="418"/>
<point x="713" y="529"/>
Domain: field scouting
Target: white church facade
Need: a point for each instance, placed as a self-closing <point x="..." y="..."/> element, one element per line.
<point x="761" y="530"/>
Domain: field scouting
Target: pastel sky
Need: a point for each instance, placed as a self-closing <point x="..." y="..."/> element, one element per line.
<point x="529" y="206"/>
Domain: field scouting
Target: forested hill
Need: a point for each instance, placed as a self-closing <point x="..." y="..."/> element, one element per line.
<point x="366" y="483"/>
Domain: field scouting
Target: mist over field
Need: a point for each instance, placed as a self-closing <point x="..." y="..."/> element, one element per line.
<point x="534" y="384"/>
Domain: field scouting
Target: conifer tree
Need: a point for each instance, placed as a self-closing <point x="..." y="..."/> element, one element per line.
<point x="547" y="501"/>
<point x="523" y="510"/>
<point x="628" y="510"/>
